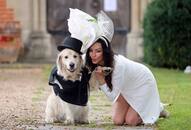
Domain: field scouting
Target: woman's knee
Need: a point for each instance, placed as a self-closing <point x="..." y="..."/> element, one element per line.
<point x="119" y="110"/>
<point x="133" y="120"/>
<point x="118" y="120"/>
<point x="132" y="117"/>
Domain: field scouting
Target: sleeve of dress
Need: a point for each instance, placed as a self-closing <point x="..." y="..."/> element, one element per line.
<point x="117" y="82"/>
<point x="110" y="95"/>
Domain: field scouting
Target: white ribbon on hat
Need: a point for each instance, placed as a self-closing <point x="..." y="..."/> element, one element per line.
<point x="87" y="29"/>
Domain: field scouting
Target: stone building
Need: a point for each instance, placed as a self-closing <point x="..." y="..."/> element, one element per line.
<point x="43" y="24"/>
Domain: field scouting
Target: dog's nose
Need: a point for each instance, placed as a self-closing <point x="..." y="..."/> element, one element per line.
<point x="72" y="65"/>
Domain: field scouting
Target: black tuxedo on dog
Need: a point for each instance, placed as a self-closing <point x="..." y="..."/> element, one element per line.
<point x="74" y="92"/>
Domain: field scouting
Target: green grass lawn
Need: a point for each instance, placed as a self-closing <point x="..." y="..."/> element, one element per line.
<point x="175" y="88"/>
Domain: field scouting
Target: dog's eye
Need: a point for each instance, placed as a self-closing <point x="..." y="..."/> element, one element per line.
<point x="66" y="57"/>
<point x="75" y="56"/>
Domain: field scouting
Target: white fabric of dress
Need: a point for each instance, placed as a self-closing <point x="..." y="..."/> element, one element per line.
<point x="136" y="83"/>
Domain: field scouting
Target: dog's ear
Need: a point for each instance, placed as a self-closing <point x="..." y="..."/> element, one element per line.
<point x="80" y="63"/>
<point x="59" y="63"/>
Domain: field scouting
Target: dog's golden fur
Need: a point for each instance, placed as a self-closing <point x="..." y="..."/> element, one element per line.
<point x="69" y="64"/>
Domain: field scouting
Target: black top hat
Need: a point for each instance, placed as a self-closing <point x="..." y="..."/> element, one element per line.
<point x="71" y="43"/>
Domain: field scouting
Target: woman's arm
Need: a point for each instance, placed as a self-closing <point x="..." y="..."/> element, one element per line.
<point x="110" y="95"/>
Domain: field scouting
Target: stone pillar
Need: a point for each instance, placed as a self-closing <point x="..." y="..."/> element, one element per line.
<point x="40" y="43"/>
<point x="134" y="38"/>
<point x="144" y="4"/>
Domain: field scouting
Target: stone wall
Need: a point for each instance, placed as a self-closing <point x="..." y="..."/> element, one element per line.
<point x="36" y="40"/>
<point x="10" y="34"/>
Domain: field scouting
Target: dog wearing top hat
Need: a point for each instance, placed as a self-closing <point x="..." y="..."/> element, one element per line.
<point x="68" y="102"/>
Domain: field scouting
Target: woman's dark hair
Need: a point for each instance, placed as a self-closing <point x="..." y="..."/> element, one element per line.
<point x="108" y="57"/>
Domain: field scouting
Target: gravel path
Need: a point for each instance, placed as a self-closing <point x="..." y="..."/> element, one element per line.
<point x="21" y="96"/>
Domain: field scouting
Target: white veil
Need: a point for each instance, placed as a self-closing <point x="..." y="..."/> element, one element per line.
<point x="88" y="29"/>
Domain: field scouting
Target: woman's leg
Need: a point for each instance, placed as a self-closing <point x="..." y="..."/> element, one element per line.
<point x="119" y="110"/>
<point x="132" y="117"/>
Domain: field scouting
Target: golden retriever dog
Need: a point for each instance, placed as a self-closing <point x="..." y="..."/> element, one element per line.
<point x="69" y="66"/>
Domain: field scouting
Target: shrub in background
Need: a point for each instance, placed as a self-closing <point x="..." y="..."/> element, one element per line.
<point x="167" y="33"/>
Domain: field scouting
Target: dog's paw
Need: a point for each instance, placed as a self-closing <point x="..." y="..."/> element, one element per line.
<point x="49" y="120"/>
<point x="68" y="122"/>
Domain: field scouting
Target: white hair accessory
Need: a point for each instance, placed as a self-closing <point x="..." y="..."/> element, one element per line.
<point x="105" y="25"/>
<point x="87" y="29"/>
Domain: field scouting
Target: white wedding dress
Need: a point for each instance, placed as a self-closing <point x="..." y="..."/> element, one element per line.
<point x="136" y="83"/>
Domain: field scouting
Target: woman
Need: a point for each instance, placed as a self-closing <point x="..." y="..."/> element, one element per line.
<point x="130" y="86"/>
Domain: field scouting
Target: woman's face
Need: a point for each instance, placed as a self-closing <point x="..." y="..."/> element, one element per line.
<point x="96" y="53"/>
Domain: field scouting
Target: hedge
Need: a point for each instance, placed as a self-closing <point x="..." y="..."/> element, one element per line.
<point x="167" y="33"/>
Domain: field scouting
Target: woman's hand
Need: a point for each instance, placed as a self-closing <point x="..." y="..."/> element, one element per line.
<point x="100" y="75"/>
